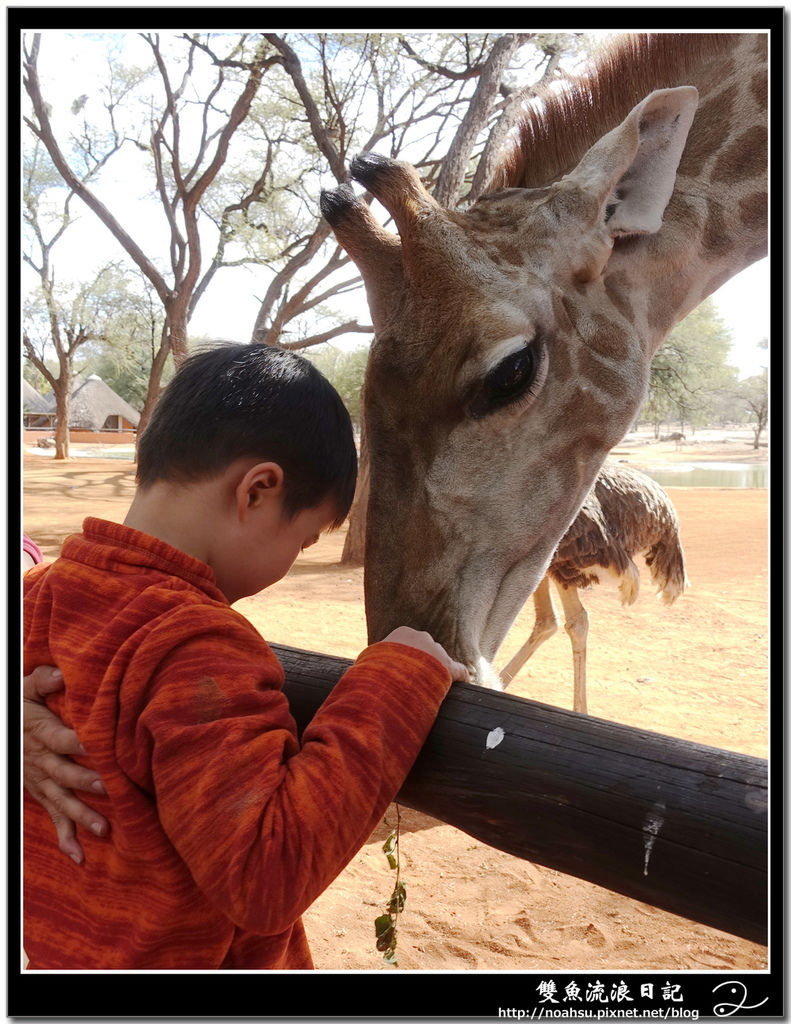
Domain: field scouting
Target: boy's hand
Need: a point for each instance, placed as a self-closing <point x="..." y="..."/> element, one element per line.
<point x="425" y="642"/>
<point x="49" y="774"/>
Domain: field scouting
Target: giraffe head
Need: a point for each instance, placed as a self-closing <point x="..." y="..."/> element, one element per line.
<point x="505" y="367"/>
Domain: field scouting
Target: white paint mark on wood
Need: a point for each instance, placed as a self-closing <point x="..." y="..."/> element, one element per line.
<point x="495" y="736"/>
<point x="654" y="821"/>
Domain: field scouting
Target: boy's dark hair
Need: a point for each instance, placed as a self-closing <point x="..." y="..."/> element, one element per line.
<point x="253" y="400"/>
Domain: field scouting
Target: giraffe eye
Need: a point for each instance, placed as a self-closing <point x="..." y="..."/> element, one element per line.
<point x="512" y="378"/>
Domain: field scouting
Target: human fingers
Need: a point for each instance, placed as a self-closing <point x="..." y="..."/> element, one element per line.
<point x="65" y="809"/>
<point x="458" y="672"/>
<point x="62" y="770"/>
<point x="41" y="681"/>
<point x="45" y="729"/>
<point x="424" y="641"/>
<point x="66" y="833"/>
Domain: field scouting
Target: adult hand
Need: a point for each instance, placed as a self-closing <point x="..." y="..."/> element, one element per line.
<point x="49" y="773"/>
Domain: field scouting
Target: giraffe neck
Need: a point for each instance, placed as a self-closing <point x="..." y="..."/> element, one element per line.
<point x="716" y="222"/>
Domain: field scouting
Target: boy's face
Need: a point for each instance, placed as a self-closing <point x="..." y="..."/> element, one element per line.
<point x="274" y="541"/>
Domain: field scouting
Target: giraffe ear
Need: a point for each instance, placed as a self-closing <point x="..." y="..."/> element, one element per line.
<point x="630" y="173"/>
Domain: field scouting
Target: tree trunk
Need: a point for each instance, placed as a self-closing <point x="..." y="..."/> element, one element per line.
<point x="62" y="389"/>
<point x="354" y="546"/>
<point x="176" y="326"/>
<point x="497" y="140"/>
<point x="454" y="164"/>
<point x="154" y="383"/>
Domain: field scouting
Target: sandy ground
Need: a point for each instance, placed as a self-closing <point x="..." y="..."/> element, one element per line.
<point x="697" y="670"/>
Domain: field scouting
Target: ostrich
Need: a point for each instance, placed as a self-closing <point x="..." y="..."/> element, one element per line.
<point x="626" y="513"/>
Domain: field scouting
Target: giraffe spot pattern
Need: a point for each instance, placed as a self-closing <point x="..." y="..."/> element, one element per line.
<point x="601" y="334"/>
<point x="759" y="90"/>
<point x="754" y="210"/>
<point x="715" y="239"/>
<point x="743" y="159"/>
<point x="759" y="50"/>
<point x="617" y="286"/>
<point x="717" y="110"/>
<point x="509" y="253"/>
<point x="604" y="377"/>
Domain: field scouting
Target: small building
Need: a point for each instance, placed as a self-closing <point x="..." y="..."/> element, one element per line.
<point x="96" y="407"/>
<point x="96" y="413"/>
<point x="36" y="411"/>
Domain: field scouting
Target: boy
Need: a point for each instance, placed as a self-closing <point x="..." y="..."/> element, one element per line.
<point x="223" y="827"/>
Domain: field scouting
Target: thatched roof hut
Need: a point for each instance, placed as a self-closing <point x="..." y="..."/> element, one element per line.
<point x="95" y="406"/>
<point x="36" y="409"/>
<point x="32" y="401"/>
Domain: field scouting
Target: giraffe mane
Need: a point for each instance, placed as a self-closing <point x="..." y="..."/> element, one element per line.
<point x="561" y="124"/>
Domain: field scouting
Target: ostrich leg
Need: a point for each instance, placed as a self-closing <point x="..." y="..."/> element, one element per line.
<point x="576" y="626"/>
<point x="546" y="625"/>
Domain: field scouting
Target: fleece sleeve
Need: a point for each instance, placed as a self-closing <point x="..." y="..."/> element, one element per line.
<point x="264" y="822"/>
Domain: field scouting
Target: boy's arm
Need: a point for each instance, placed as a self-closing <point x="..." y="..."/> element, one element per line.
<point x="264" y="823"/>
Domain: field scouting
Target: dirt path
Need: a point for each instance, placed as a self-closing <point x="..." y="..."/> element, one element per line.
<point x="697" y="670"/>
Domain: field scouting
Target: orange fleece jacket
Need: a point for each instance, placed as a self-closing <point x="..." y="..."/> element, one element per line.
<point x="224" y="827"/>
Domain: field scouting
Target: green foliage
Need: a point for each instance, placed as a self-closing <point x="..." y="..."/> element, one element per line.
<point x="690" y="371"/>
<point x="345" y="370"/>
<point x="121" y="322"/>
<point x="37" y="379"/>
<point x="386" y="925"/>
<point x="43" y="187"/>
<point x="753" y="394"/>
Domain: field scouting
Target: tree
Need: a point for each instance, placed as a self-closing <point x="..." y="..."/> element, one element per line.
<point x="346" y="372"/>
<point x="61" y="316"/>
<point x="125" y="354"/>
<point x="181" y="180"/>
<point x="67" y="319"/>
<point x="657" y="409"/>
<point x="691" y="369"/>
<point x="754" y="393"/>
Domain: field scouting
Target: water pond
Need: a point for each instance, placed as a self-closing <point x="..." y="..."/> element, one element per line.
<point x="709" y="474"/>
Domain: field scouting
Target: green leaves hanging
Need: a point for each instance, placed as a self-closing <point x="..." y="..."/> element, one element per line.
<point x="386" y="925"/>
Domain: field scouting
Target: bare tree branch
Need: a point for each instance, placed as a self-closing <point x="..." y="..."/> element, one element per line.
<point x="44" y="132"/>
<point x="263" y="334"/>
<point x="352" y="327"/>
<point x="454" y="166"/>
<point x="185" y="244"/>
<point x="496" y="139"/>
<point x="471" y="71"/>
<point x="319" y="129"/>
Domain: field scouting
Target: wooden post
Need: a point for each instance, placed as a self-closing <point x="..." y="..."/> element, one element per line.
<point x="675" y="824"/>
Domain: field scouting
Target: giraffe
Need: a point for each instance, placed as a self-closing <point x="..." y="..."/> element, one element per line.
<point x="513" y="340"/>
<point x="626" y="513"/>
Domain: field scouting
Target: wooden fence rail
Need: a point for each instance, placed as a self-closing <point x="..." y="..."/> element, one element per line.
<point x="675" y="824"/>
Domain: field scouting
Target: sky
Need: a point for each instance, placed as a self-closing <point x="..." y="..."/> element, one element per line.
<point x="744" y="305"/>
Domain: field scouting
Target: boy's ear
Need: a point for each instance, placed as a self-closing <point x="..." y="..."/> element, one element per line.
<point x="260" y="482"/>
